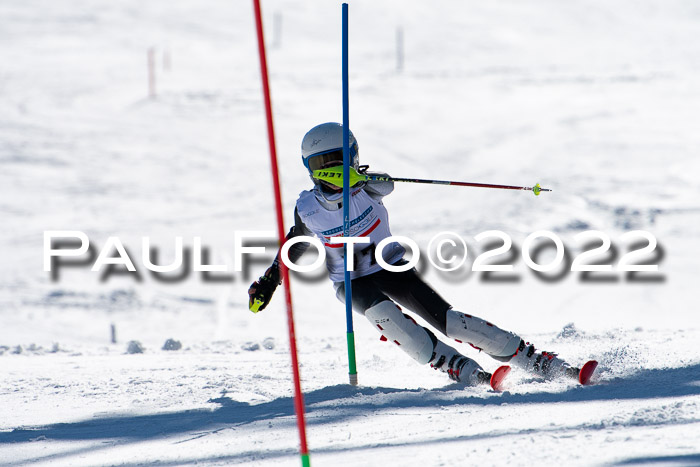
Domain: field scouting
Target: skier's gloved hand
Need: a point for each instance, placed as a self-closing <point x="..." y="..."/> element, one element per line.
<point x="260" y="291"/>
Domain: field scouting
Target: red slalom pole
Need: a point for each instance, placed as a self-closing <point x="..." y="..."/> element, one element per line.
<point x="298" y="396"/>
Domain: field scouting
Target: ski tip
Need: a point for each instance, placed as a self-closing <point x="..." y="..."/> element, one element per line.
<point x="584" y="376"/>
<point x="499" y="376"/>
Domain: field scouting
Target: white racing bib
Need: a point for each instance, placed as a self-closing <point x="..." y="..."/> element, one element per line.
<point x="368" y="218"/>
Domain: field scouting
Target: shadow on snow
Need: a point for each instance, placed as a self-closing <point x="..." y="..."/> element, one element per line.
<point x="687" y="459"/>
<point x="340" y="403"/>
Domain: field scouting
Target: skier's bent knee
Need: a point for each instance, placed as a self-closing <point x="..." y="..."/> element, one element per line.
<point x="481" y="334"/>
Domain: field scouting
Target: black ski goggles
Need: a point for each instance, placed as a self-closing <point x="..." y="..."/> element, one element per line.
<point x="330" y="159"/>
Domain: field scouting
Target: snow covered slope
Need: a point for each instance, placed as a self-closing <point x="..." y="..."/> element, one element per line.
<point x="597" y="100"/>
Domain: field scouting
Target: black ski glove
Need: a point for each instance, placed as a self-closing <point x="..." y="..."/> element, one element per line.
<point x="260" y="291"/>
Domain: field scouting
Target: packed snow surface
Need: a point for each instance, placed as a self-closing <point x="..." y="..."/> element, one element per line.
<point x="597" y="100"/>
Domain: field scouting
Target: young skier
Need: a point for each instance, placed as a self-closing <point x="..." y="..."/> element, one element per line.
<point x="376" y="292"/>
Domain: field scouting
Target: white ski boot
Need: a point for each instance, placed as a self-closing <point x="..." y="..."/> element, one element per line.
<point x="458" y="367"/>
<point x="543" y="363"/>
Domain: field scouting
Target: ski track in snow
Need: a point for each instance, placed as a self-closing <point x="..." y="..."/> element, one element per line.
<point x="594" y="99"/>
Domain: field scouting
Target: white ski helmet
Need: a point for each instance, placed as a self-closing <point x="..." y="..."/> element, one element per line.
<point x="322" y="147"/>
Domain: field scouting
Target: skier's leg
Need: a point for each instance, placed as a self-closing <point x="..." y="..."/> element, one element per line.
<point x="418" y="342"/>
<point x="504" y="345"/>
<point x="481" y="334"/>
<point x="409" y="290"/>
<point x="365" y="293"/>
<point x="422" y="345"/>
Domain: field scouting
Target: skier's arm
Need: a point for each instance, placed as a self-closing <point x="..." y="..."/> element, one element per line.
<point x="379" y="189"/>
<point x="261" y="291"/>
<point x="298" y="249"/>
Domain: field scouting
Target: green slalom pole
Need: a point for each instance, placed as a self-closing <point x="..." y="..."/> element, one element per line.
<point x="352" y="365"/>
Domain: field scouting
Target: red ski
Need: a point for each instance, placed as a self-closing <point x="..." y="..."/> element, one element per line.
<point x="584" y="375"/>
<point x="499" y="376"/>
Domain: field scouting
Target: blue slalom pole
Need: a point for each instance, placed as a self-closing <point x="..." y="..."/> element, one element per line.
<point x="352" y="373"/>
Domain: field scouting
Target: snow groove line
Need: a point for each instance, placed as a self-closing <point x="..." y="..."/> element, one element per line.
<point x="248" y="456"/>
<point x="64" y="455"/>
<point x="203" y="434"/>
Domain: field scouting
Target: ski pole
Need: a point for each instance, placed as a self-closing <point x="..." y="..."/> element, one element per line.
<point x="334" y="176"/>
